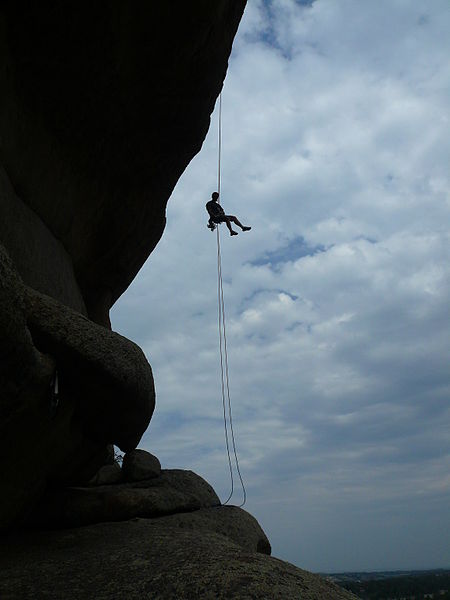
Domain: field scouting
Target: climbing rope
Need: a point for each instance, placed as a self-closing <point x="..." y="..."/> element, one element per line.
<point x="223" y="349"/>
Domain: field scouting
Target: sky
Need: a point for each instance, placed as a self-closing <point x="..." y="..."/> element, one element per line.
<point x="335" y="149"/>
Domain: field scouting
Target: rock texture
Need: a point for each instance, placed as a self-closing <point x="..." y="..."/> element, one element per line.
<point x="37" y="254"/>
<point x="106" y="394"/>
<point x="174" y="491"/>
<point x="155" y="559"/>
<point x="107" y="475"/>
<point x="139" y="464"/>
<point x="106" y="375"/>
<point x="102" y="106"/>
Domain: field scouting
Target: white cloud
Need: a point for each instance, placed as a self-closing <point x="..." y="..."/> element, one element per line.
<point x="335" y="149"/>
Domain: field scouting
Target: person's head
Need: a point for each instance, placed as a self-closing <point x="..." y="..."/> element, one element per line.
<point x="215" y="196"/>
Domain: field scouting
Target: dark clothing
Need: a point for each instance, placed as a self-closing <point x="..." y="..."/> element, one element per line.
<point x="215" y="211"/>
<point x="217" y="215"/>
<point x="218" y="219"/>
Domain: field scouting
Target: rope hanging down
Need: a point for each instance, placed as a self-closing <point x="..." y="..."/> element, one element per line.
<point x="223" y="349"/>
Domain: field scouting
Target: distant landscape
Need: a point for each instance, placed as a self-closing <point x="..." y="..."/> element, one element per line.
<point x="395" y="585"/>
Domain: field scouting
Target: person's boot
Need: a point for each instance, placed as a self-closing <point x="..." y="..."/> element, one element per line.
<point x="246" y="228"/>
<point x="233" y="232"/>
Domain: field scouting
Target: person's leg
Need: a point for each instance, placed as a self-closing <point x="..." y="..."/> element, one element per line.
<point x="227" y="221"/>
<point x="238" y="223"/>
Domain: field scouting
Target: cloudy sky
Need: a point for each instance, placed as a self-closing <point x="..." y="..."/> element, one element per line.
<point x="336" y="148"/>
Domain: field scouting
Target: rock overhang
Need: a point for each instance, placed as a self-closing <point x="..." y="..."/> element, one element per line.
<point x="101" y="112"/>
<point x="102" y="107"/>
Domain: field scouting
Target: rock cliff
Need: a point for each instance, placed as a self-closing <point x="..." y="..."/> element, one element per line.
<point x="102" y="106"/>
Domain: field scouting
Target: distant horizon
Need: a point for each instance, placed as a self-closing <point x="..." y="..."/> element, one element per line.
<point x="383" y="571"/>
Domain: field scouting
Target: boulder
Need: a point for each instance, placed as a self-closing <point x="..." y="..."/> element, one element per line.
<point x="106" y="375"/>
<point x="174" y="491"/>
<point x="36" y="443"/>
<point x="150" y="558"/>
<point x="102" y="108"/>
<point x="139" y="464"/>
<point x="107" y="475"/>
<point x="106" y="394"/>
<point x="230" y="521"/>
<point x="24" y="379"/>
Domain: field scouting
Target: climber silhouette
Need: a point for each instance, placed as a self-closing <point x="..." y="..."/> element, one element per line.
<point x="217" y="215"/>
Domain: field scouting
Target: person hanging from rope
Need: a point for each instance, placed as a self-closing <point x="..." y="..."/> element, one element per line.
<point x="217" y="215"/>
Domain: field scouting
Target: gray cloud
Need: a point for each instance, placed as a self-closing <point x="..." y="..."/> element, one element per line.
<point x="335" y="149"/>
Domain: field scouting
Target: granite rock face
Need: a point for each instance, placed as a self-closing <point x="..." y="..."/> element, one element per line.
<point x="107" y="475"/>
<point x="106" y="375"/>
<point x="174" y="491"/>
<point x="139" y="464"/>
<point x="156" y="559"/>
<point x="102" y="106"/>
<point x="36" y="253"/>
<point x="106" y="394"/>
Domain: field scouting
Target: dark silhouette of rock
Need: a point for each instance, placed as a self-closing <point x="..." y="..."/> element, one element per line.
<point x="139" y="464"/>
<point x="36" y="445"/>
<point x="107" y="475"/>
<point x="102" y="106"/>
<point x="37" y="254"/>
<point x="106" y="394"/>
<point x="157" y="559"/>
<point x="174" y="491"/>
<point x="106" y="374"/>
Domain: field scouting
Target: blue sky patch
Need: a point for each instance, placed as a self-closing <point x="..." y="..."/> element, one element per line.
<point x="269" y="34"/>
<point x="295" y="249"/>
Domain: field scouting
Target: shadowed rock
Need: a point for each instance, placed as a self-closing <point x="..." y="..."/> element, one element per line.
<point x="39" y="257"/>
<point x="102" y="106"/>
<point x="106" y="394"/>
<point x="107" y="475"/>
<point x="174" y="491"/>
<point x="154" y="559"/>
<point x="106" y="375"/>
<point x="139" y="464"/>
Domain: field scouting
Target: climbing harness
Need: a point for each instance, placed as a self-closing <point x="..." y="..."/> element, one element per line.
<point x="223" y="349"/>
